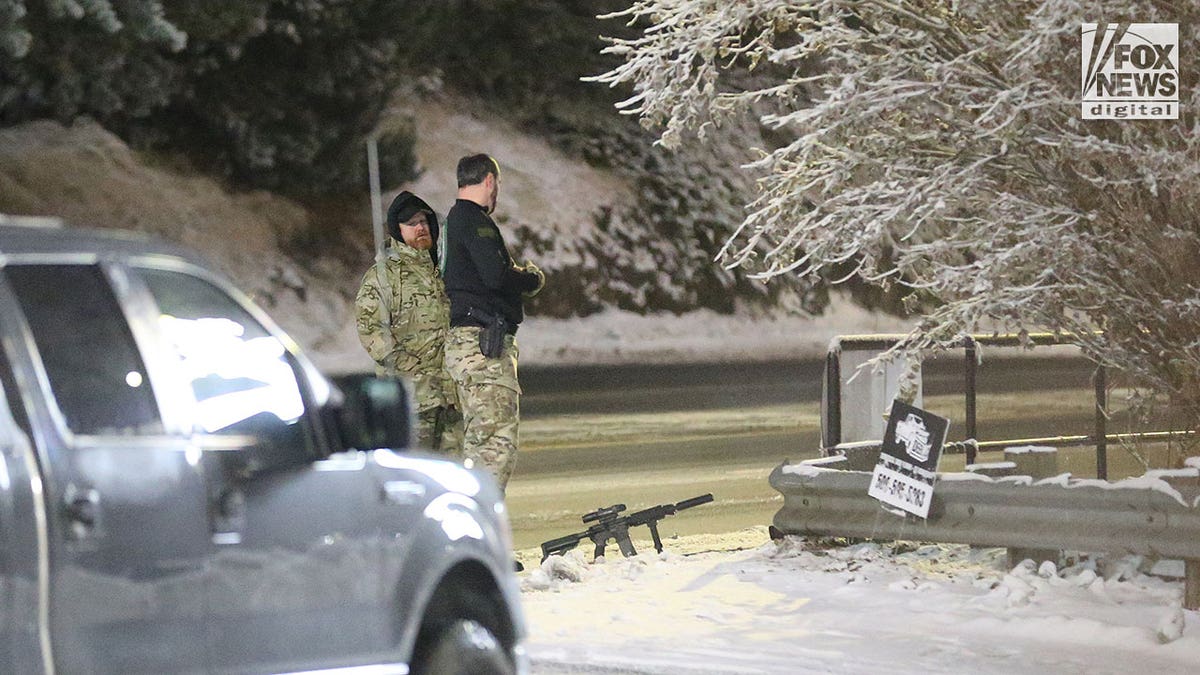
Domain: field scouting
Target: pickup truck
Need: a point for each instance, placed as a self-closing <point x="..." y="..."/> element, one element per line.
<point x="182" y="492"/>
<point x="912" y="434"/>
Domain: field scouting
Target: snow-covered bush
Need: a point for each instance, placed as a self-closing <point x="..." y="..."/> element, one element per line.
<point x="938" y="145"/>
<point x="653" y="251"/>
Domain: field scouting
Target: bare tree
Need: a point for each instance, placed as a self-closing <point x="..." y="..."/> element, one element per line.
<point x="940" y="145"/>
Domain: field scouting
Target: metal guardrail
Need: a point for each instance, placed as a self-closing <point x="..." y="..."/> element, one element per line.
<point x="1156" y="515"/>
<point x="831" y="422"/>
<point x="971" y="448"/>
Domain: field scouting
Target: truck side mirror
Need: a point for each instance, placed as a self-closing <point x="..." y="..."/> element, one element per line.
<point x="374" y="412"/>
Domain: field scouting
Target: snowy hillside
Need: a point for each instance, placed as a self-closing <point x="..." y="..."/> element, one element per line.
<point x="91" y="178"/>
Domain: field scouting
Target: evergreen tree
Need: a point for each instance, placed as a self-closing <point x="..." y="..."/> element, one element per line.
<point x="64" y="58"/>
<point x="276" y="93"/>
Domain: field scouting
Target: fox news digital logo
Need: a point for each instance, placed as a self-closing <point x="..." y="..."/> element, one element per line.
<point x="1130" y="71"/>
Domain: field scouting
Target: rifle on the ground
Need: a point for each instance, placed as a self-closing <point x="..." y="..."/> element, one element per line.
<point x="610" y="524"/>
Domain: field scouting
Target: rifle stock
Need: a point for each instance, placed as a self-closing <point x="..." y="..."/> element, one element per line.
<point x="560" y="545"/>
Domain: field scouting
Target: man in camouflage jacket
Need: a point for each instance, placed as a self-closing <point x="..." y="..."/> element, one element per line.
<point x="402" y="323"/>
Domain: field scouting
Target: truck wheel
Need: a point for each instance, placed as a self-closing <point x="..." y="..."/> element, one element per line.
<point x="464" y="647"/>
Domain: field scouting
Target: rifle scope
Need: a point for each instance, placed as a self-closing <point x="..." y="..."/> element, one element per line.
<point x="606" y="513"/>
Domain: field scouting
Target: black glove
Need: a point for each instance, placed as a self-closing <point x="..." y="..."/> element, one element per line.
<point x="534" y="269"/>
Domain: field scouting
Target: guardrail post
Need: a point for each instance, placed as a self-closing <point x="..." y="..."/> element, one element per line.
<point x="1191" y="584"/>
<point x="861" y="456"/>
<point x="971" y="364"/>
<point x="1101" y="380"/>
<point x="1036" y="462"/>
<point x="993" y="469"/>
<point x="831" y="428"/>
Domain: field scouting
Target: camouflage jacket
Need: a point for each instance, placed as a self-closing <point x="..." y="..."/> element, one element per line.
<point x="420" y="315"/>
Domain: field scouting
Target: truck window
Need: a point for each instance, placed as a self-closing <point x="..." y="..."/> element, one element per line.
<point x="89" y="355"/>
<point x="241" y="375"/>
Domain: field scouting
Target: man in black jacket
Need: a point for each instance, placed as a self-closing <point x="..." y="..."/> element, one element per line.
<point x="486" y="289"/>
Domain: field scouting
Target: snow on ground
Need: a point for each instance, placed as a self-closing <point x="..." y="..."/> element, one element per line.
<point x="808" y="606"/>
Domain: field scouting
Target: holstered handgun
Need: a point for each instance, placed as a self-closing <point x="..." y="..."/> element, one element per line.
<point x="491" y="335"/>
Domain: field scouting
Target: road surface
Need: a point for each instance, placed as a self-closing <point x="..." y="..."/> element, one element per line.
<point x="645" y="435"/>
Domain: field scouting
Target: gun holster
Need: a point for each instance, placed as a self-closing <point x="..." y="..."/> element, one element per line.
<point x="491" y="335"/>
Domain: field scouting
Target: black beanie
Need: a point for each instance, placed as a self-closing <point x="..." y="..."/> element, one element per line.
<point x="405" y="206"/>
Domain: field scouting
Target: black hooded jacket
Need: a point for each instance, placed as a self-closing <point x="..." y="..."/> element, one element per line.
<point x="405" y="206"/>
<point x="479" y="271"/>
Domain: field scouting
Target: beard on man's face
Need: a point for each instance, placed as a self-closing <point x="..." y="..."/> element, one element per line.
<point x="492" y="198"/>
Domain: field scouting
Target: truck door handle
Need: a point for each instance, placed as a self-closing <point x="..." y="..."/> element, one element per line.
<point x="228" y="516"/>
<point x="83" y="506"/>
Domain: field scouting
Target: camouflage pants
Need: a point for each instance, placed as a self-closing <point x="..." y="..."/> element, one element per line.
<point x="440" y="430"/>
<point x="489" y="396"/>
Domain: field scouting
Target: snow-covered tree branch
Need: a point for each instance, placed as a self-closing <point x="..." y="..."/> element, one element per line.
<point x="939" y="144"/>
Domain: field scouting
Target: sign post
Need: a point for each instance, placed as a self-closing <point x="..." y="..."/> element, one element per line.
<point x="912" y="446"/>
